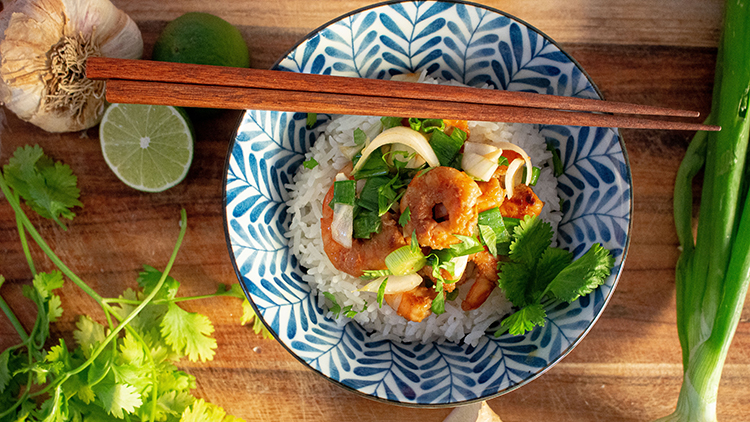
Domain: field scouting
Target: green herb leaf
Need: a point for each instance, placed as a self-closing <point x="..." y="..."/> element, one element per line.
<point x="533" y="236"/>
<point x="488" y="238"/>
<point x="250" y="317"/>
<point x="48" y="188"/>
<point x="117" y="398"/>
<point x="405" y="217"/>
<point x="88" y="334"/>
<point x="200" y="411"/>
<point x="149" y="278"/>
<point x="310" y="164"/>
<point x="5" y="376"/>
<point x="468" y="245"/>
<point x="188" y="333"/>
<point x="335" y="308"/>
<point x="584" y="275"/>
<point x="389" y="122"/>
<point x="44" y="283"/>
<point x="360" y="137"/>
<point x="365" y="223"/>
<point x="525" y="319"/>
<point x="312" y="118"/>
<point x="381" y="292"/>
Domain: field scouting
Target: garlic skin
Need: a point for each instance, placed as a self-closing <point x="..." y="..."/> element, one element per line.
<point x="43" y="56"/>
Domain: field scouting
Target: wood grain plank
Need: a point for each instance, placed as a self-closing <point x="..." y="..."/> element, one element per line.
<point x="689" y="23"/>
<point x="626" y="369"/>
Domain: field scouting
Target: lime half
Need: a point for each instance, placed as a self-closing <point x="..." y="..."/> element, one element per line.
<point x="149" y="147"/>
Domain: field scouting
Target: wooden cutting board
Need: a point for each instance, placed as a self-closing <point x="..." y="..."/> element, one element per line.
<point x="627" y="369"/>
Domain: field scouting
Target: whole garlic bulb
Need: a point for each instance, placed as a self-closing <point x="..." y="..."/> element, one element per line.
<point x="43" y="59"/>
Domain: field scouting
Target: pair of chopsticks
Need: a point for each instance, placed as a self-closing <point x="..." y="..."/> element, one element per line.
<point x="190" y="85"/>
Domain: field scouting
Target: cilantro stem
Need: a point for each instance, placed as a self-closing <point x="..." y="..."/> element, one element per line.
<point x="166" y="301"/>
<point x="13" y="319"/>
<point x="13" y="201"/>
<point x="124" y="323"/>
<point x="25" y="245"/>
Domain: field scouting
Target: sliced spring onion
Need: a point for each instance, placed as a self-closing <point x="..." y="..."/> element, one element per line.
<point x="405" y="260"/>
<point x="535" y="171"/>
<point x="395" y="284"/>
<point x="401" y="152"/>
<point x="368" y="196"/>
<point x="478" y="166"/>
<point x="468" y="245"/>
<point x="446" y="147"/>
<point x="503" y="161"/>
<point x="365" y="223"/>
<point x="426" y="125"/>
<point x="374" y="166"/>
<point x="519" y="150"/>
<point x="489" y="238"/>
<point x="403" y="135"/>
<point x="344" y="191"/>
<point x="502" y="226"/>
<point x="513" y="176"/>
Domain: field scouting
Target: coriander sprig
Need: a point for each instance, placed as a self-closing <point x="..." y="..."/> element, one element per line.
<point x="123" y="370"/>
<point x="535" y="270"/>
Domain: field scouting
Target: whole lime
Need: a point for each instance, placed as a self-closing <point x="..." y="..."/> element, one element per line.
<point x="201" y="38"/>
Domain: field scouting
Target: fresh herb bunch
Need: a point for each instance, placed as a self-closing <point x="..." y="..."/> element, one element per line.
<point x="124" y="369"/>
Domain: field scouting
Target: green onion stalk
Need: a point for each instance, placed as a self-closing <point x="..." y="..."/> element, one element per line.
<point x="713" y="271"/>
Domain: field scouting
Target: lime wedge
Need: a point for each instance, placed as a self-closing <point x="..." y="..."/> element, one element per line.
<point x="149" y="147"/>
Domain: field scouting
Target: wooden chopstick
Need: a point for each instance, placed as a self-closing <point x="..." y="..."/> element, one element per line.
<point x="189" y="85"/>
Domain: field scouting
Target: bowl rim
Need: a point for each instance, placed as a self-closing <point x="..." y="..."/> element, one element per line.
<point x="566" y="351"/>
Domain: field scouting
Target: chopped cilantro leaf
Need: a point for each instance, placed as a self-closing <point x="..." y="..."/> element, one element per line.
<point x="405" y="217"/>
<point x="310" y="164"/>
<point x="335" y="308"/>
<point x="389" y="122"/>
<point x="312" y="118"/>
<point x="360" y="137"/>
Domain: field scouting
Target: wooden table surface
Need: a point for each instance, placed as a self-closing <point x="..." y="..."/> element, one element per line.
<point x="627" y="369"/>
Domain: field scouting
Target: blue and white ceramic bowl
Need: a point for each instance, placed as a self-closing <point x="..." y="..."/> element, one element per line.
<point x="475" y="45"/>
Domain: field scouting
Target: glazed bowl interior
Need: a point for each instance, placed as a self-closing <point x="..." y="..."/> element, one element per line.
<point x="476" y="46"/>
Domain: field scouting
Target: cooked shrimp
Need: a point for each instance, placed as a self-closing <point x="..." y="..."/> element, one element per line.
<point x="456" y="191"/>
<point x="365" y="254"/>
<point x="523" y="202"/>
<point x="493" y="194"/>
<point x="485" y="282"/>
<point x="414" y="305"/>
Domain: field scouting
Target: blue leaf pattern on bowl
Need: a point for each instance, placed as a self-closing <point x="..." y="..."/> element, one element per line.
<point x="456" y="41"/>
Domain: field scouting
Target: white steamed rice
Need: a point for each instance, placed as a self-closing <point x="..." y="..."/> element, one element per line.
<point x="305" y="204"/>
